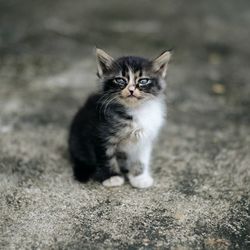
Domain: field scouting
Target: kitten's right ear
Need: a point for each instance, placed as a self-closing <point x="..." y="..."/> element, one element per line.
<point x="104" y="62"/>
<point x="160" y="64"/>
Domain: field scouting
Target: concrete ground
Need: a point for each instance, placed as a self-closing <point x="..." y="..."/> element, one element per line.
<point x="201" y="163"/>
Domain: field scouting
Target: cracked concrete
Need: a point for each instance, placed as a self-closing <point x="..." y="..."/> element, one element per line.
<point x="201" y="163"/>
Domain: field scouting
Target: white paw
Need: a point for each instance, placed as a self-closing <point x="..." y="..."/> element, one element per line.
<point x="141" y="181"/>
<point x="113" y="181"/>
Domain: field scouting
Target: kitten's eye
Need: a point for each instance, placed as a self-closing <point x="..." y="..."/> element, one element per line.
<point x="120" y="81"/>
<point x="144" y="81"/>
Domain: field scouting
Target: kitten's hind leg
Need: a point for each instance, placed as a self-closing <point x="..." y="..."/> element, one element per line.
<point x="82" y="170"/>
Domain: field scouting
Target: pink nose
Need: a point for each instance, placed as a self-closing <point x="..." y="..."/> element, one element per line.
<point x="131" y="88"/>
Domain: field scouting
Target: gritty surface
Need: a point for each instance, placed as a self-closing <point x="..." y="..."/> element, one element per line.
<point x="201" y="164"/>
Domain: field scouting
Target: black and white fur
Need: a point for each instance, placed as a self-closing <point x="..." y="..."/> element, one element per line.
<point x="112" y="135"/>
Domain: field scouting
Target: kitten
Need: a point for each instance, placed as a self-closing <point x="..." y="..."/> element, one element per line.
<point x="112" y="135"/>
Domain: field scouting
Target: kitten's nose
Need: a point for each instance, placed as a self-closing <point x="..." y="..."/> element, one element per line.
<point x="131" y="92"/>
<point x="131" y="89"/>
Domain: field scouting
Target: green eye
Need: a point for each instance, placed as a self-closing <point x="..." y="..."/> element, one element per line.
<point x="120" y="81"/>
<point x="144" y="81"/>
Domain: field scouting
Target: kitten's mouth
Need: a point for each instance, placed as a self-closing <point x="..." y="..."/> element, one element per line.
<point x="131" y="100"/>
<point x="132" y="96"/>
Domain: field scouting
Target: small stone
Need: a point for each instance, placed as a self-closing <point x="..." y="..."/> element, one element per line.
<point x="179" y="216"/>
<point x="146" y="242"/>
<point x="218" y="88"/>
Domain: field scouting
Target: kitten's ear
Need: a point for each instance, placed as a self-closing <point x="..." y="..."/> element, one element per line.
<point x="160" y="64"/>
<point x="104" y="62"/>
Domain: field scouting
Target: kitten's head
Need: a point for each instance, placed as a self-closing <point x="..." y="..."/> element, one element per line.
<point x="131" y="80"/>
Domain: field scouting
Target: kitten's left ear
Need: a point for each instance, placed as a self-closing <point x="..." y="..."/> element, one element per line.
<point x="104" y="62"/>
<point x="160" y="64"/>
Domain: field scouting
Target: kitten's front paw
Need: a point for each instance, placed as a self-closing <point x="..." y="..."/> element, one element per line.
<point x="138" y="134"/>
<point x="141" y="181"/>
<point x="113" y="181"/>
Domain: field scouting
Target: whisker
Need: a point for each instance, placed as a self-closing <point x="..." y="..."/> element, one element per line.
<point x="103" y="99"/>
<point x="109" y="102"/>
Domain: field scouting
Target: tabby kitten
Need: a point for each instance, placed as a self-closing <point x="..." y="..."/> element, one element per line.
<point x="112" y="135"/>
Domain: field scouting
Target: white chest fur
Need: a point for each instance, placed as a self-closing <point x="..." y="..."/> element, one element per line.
<point x="148" y="119"/>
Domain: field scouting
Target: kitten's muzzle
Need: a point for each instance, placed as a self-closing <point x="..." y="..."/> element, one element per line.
<point x="132" y="94"/>
<point x="131" y="91"/>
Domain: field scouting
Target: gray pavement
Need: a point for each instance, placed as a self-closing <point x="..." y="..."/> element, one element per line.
<point x="201" y="162"/>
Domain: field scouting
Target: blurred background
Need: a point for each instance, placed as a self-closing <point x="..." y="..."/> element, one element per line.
<point x="48" y="46"/>
<point x="201" y="163"/>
